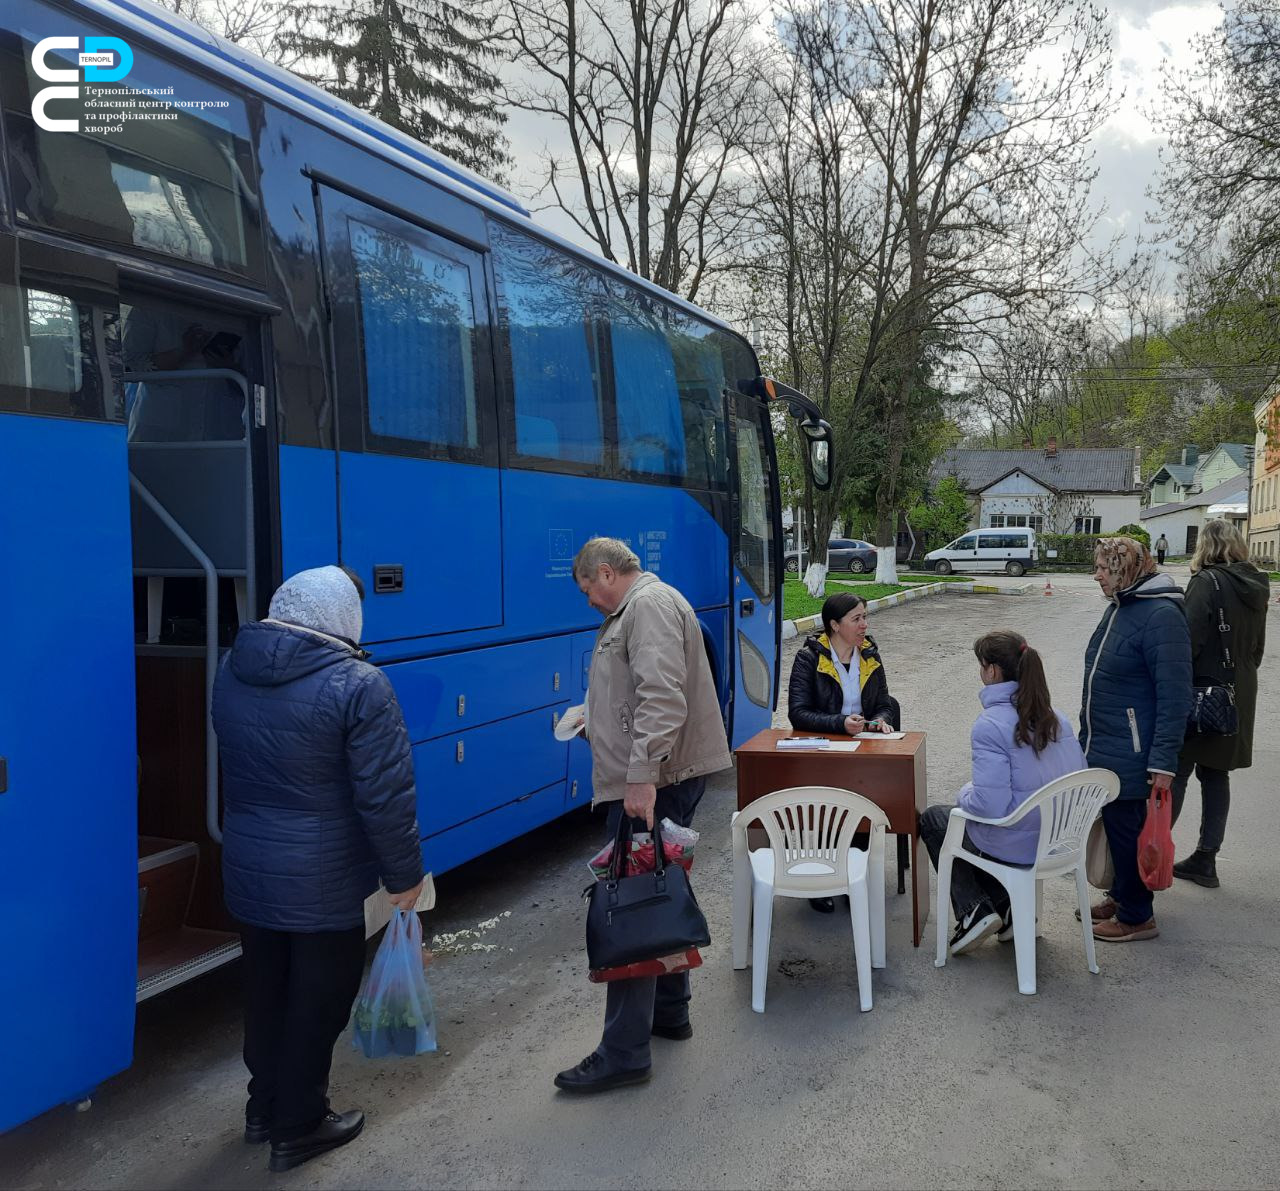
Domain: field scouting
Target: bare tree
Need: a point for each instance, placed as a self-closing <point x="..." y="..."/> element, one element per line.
<point x="655" y="98"/>
<point x="1220" y="184"/>
<point x="818" y="227"/>
<point x="254" y="24"/>
<point x="976" y="115"/>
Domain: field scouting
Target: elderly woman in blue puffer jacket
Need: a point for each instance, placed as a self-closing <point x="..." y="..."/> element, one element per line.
<point x="319" y="797"/>
<point x="1137" y="695"/>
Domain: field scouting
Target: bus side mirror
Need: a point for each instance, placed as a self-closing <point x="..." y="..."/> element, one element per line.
<point x="817" y="432"/>
<point x="818" y="436"/>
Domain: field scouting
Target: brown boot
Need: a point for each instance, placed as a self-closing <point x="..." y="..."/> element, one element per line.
<point x="1101" y="911"/>
<point x="1115" y="931"/>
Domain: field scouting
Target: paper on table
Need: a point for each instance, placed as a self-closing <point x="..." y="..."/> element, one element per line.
<point x="844" y="746"/>
<point x="879" y="736"/>
<point x="804" y="742"/>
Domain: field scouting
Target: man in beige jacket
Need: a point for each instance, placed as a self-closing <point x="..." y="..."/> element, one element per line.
<point x="654" y="724"/>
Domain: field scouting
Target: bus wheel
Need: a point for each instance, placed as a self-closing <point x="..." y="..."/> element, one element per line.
<point x="1016" y="568"/>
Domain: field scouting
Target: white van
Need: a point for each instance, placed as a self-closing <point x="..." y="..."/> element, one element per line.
<point x="1010" y="550"/>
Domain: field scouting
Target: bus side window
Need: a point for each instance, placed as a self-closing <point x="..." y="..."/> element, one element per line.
<point x="61" y="356"/>
<point x="417" y="320"/>
<point x="651" y="424"/>
<point x="695" y="350"/>
<point x="548" y="308"/>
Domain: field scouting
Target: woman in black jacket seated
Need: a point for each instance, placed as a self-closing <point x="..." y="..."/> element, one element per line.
<point x="832" y="695"/>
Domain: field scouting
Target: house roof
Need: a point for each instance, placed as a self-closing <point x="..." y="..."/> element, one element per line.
<point x="1072" y="469"/>
<point x="1238" y="451"/>
<point x="1183" y="473"/>
<point x="1224" y="493"/>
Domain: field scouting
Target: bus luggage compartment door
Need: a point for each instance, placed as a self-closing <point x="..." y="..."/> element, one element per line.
<point x="68" y="834"/>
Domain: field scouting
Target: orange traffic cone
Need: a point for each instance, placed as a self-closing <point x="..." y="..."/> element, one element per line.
<point x="1048" y="588"/>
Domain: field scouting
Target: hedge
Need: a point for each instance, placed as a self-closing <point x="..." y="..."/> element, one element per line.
<point x="1079" y="547"/>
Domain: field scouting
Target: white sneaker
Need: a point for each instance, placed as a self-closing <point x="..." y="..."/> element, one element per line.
<point x="976" y="925"/>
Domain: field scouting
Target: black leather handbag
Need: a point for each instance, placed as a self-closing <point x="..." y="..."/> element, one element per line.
<point x="631" y="919"/>
<point x="1213" y="707"/>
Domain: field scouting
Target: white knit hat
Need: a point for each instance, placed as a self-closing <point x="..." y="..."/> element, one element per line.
<point x="323" y="599"/>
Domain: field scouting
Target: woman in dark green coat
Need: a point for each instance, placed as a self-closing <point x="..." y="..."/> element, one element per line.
<point x="1243" y="591"/>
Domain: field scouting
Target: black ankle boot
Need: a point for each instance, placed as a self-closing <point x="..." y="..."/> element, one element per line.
<point x="1200" y="867"/>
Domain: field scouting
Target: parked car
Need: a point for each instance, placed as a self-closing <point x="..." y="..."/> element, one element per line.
<point x="1010" y="550"/>
<point x="843" y="554"/>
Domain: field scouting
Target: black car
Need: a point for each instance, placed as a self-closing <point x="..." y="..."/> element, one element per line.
<point x="844" y="554"/>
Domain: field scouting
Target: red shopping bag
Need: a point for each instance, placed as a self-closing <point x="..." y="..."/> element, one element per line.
<point x="1155" y="842"/>
<point x="666" y="965"/>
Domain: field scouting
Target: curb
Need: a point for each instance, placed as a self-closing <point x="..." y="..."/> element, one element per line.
<point x="806" y="624"/>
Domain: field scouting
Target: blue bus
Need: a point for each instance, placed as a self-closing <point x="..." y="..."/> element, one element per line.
<point x="246" y="329"/>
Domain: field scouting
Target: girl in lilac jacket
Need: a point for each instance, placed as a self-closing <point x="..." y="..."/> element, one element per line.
<point x="1020" y="743"/>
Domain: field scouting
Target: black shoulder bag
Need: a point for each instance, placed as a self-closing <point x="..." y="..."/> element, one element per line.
<point x="1213" y="708"/>
<point x="631" y="919"/>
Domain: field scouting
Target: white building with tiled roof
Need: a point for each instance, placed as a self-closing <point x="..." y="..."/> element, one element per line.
<point x="1052" y="490"/>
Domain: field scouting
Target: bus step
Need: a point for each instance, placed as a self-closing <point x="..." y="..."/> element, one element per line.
<point x="175" y="956"/>
<point x="166" y="877"/>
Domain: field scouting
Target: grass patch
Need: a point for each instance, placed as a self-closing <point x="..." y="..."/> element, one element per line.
<point x="797" y="602"/>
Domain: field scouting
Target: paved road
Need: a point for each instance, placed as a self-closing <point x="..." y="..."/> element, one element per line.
<point x="1159" y="1072"/>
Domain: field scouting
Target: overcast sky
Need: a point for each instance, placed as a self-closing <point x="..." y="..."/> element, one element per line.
<point x="1146" y="34"/>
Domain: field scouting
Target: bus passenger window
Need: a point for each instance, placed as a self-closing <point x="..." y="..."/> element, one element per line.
<point x="181" y="184"/>
<point x="695" y="350"/>
<point x="61" y="356"/>
<point x="651" y="429"/>
<point x="547" y="299"/>
<point x="417" y="319"/>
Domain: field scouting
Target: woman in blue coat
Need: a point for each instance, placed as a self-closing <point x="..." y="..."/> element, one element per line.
<point x="1137" y="695"/>
<point x="319" y="803"/>
<point x="1020" y="743"/>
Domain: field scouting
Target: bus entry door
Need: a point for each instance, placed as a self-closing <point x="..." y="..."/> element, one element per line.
<point x="756" y="602"/>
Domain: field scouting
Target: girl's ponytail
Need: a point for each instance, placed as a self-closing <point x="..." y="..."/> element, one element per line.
<point x="1018" y="662"/>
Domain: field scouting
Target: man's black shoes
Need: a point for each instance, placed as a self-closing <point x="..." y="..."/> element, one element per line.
<point x="334" y="1130"/>
<point x="674" y="1033"/>
<point x="597" y="1074"/>
<point x="257" y="1130"/>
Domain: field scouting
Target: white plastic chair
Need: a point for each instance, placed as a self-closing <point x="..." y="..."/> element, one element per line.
<point x="1068" y="807"/>
<point x="810" y="854"/>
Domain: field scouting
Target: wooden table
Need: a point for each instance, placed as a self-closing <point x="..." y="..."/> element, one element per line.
<point x="891" y="773"/>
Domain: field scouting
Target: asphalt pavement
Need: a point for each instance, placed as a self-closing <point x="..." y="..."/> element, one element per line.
<point x="1159" y="1072"/>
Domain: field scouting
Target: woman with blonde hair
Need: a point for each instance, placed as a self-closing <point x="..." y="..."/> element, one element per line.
<point x="1226" y="607"/>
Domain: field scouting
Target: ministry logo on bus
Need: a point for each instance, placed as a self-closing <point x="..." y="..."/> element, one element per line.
<point x="103" y="60"/>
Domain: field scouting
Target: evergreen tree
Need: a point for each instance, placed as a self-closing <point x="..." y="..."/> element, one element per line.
<point x="421" y="66"/>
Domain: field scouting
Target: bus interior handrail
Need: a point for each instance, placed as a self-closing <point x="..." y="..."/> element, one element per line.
<point x="210" y="649"/>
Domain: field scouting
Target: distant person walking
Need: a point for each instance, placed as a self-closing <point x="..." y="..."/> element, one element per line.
<point x="1136" y="698"/>
<point x="1162" y="548"/>
<point x="1221" y="578"/>
<point x="319" y="796"/>
<point x="654" y="725"/>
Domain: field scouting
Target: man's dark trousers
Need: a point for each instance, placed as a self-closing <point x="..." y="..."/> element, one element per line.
<point x="632" y="1006"/>
<point x="298" y="990"/>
